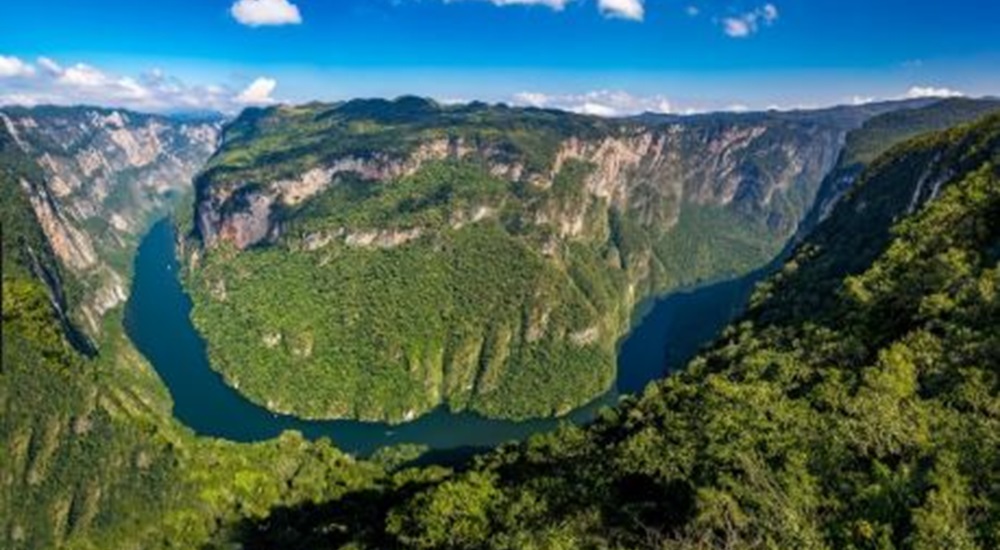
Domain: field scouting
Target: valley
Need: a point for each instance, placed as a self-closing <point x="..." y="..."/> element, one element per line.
<point x="158" y="323"/>
<point x="147" y="446"/>
<point x="499" y="275"/>
<point x="101" y="177"/>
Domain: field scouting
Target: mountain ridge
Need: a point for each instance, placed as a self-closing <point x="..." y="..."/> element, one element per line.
<point x="608" y="212"/>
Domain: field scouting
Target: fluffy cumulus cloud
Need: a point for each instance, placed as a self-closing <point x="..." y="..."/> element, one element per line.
<point x="746" y="24"/>
<point x="930" y="91"/>
<point x="12" y="67"/>
<point x="258" y="13"/>
<point x="626" y="9"/>
<point x="258" y="92"/>
<point x="605" y="103"/>
<point x="81" y="83"/>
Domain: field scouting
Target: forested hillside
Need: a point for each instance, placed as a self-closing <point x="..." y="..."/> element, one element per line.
<point x="90" y="456"/>
<point x="879" y="134"/>
<point x="375" y="259"/>
<point x="855" y="406"/>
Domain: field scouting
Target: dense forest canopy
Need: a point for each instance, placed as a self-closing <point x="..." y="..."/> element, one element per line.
<point x="376" y="259"/>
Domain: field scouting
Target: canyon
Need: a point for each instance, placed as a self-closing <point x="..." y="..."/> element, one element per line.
<point x="384" y="258"/>
<point x="858" y="347"/>
<point x="103" y="176"/>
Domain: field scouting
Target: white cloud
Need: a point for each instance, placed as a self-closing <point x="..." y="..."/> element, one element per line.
<point x="24" y="100"/>
<point x="532" y="99"/>
<point x="13" y="67"/>
<point x="625" y="9"/>
<point x="557" y="5"/>
<point x="736" y="27"/>
<point x="258" y="92"/>
<point x="49" y="65"/>
<point x="746" y="24"/>
<point x="605" y="103"/>
<point x="82" y="75"/>
<point x="257" y="13"/>
<point x="596" y="109"/>
<point x="928" y="91"/>
<point x="156" y="91"/>
<point x="692" y="11"/>
<point x="769" y="13"/>
<point x="916" y="92"/>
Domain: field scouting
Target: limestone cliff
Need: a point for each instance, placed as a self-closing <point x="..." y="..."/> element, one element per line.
<point x="651" y="172"/>
<point x="105" y="175"/>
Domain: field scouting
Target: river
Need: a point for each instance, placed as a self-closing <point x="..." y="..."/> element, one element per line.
<point x="667" y="333"/>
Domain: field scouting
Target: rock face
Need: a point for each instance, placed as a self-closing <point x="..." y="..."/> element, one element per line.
<point x="487" y="257"/>
<point x="880" y="134"/>
<point x="104" y="176"/>
<point x="649" y="172"/>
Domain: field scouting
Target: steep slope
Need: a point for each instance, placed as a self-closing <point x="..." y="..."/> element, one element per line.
<point x="102" y="176"/>
<point x="90" y="456"/>
<point x="26" y="250"/>
<point x="868" y="419"/>
<point x="374" y="259"/>
<point x="881" y="133"/>
<point x="61" y="466"/>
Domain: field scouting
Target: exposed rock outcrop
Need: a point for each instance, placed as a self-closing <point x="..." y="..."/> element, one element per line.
<point x="650" y="172"/>
<point x="483" y="257"/>
<point x="242" y="216"/>
<point x="104" y="176"/>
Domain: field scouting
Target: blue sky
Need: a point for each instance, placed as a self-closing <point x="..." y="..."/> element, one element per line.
<point x="599" y="56"/>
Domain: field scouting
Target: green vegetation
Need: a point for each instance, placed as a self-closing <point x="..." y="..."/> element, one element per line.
<point x="711" y="243"/>
<point x="89" y="454"/>
<point x="869" y="419"/>
<point x="282" y="142"/>
<point x="25" y="248"/>
<point x="856" y="406"/>
<point x="479" y="257"/>
<point x="880" y="134"/>
<point x="103" y="176"/>
<point x="388" y="332"/>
